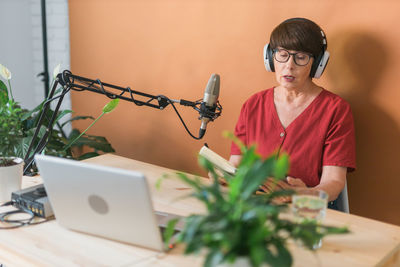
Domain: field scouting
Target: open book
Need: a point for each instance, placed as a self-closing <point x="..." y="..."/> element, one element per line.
<point x="218" y="161"/>
<point x="223" y="165"/>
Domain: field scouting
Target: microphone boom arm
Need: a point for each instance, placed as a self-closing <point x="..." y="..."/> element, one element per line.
<point x="79" y="83"/>
<point x="69" y="81"/>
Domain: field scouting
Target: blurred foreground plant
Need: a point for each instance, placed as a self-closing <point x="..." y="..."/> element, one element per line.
<point x="239" y="223"/>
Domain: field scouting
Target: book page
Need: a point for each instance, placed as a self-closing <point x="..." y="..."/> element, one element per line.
<point x="218" y="161"/>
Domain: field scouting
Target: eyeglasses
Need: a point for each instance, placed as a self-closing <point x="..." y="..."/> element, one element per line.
<point x="300" y="58"/>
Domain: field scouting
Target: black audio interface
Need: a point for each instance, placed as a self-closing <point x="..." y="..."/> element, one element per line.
<point x="34" y="199"/>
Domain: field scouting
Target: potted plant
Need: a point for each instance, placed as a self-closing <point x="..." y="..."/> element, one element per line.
<point x="17" y="128"/>
<point x="241" y="227"/>
<point x="11" y="169"/>
<point x="11" y="135"/>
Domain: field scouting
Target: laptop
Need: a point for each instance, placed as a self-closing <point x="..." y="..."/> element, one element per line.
<point x="103" y="201"/>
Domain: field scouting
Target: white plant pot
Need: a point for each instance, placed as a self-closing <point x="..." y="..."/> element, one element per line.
<point x="239" y="262"/>
<point x="10" y="179"/>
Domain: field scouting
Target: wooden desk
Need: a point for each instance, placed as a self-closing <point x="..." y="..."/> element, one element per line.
<point x="371" y="243"/>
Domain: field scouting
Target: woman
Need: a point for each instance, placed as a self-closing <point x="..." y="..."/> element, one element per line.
<point x="314" y="126"/>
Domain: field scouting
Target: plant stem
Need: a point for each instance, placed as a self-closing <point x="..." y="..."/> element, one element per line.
<point x="9" y="86"/>
<point x="73" y="141"/>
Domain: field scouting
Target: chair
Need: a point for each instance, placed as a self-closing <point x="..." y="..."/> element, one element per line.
<point x="343" y="200"/>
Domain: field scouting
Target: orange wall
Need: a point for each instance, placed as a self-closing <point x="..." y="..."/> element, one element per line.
<point x="171" y="47"/>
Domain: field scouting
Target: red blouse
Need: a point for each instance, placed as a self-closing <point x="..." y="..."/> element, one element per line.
<point x="323" y="134"/>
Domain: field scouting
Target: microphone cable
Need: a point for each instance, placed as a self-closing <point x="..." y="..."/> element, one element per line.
<point x="179" y="115"/>
<point x="182" y="121"/>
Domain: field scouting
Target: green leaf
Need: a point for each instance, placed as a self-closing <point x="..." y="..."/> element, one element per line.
<point x="281" y="166"/>
<point x="95" y="142"/>
<point x="73" y="134"/>
<point x="3" y="93"/>
<point x="215" y="188"/>
<point x="213" y="258"/>
<point x="195" y="184"/>
<point x="248" y="158"/>
<point x="76" y="118"/>
<point x="192" y="227"/>
<point x="29" y="113"/>
<point x="260" y="171"/>
<point x="42" y="131"/>
<point x="111" y="105"/>
<point x="88" y="155"/>
<point x="25" y="145"/>
<point x="160" y="180"/>
<point x="235" y="187"/>
<point x="257" y="255"/>
<point x="284" y="258"/>
<point x="235" y="140"/>
<point x="62" y="114"/>
<point x="169" y="232"/>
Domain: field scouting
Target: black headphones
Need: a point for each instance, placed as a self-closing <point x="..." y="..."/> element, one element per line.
<point x="318" y="65"/>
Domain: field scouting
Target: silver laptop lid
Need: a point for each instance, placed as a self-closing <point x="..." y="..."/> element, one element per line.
<point x="103" y="201"/>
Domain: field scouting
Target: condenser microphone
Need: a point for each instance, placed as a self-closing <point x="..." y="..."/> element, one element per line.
<point x="209" y="104"/>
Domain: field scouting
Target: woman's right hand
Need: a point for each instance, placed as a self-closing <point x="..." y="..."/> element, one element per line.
<point x="220" y="176"/>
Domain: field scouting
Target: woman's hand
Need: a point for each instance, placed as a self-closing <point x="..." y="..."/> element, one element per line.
<point x="295" y="182"/>
<point x="220" y="176"/>
<point x="292" y="183"/>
